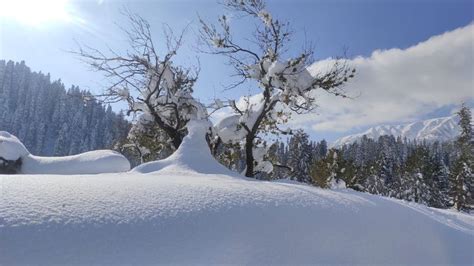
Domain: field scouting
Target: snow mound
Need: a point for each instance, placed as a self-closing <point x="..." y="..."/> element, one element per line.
<point x="192" y="155"/>
<point x="171" y="218"/>
<point x="93" y="162"/>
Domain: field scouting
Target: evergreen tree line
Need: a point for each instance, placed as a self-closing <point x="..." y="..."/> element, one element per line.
<point x="435" y="174"/>
<point x="51" y="120"/>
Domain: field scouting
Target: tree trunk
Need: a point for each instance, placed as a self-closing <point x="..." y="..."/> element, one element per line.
<point x="173" y="133"/>
<point x="249" y="160"/>
<point x="176" y="140"/>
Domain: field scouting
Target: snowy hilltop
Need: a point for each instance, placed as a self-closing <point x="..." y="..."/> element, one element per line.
<point x="436" y="129"/>
<point x="188" y="209"/>
<point x="93" y="162"/>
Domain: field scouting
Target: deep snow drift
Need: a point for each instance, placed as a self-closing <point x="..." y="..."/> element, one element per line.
<point x="93" y="162"/>
<point x="181" y="214"/>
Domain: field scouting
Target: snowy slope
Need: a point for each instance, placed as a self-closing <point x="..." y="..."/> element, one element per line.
<point x="442" y="129"/>
<point x="178" y="213"/>
<point x="187" y="217"/>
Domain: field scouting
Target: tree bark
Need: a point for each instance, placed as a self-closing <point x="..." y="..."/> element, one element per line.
<point x="173" y="133"/>
<point x="249" y="160"/>
<point x="177" y="141"/>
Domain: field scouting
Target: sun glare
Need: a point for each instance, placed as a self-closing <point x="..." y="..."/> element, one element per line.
<point x="36" y="12"/>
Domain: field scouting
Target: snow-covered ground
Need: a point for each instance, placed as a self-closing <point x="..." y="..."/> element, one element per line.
<point x="184" y="212"/>
<point x="188" y="217"/>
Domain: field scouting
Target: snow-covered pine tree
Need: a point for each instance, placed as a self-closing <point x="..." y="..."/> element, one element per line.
<point x="322" y="148"/>
<point x="299" y="156"/>
<point x="461" y="177"/>
<point x="286" y="86"/>
<point x="388" y="156"/>
<point x="327" y="171"/>
<point x="421" y="192"/>
<point x="460" y="190"/>
<point x="320" y="173"/>
<point x="438" y="178"/>
<point x="416" y="181"/>
<point x="374" y="184"/>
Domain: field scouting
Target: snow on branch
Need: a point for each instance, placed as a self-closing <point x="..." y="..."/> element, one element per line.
<point x="287" y="85"/>
<point x="149" y="81"/>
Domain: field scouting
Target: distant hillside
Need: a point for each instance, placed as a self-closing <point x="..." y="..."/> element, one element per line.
<point x="51" y="120"/>
<point x="441" y="129"/>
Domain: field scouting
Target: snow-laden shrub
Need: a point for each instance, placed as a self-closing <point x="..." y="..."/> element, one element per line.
<point x="15" y="158"/>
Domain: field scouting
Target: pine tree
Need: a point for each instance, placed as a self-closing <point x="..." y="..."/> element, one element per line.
<point x="438" y="179"/>
<point x="460" y="190"/>
<point x="322" y="148"/>
<point x="300" y="156"/>
<point x="461" y="177"/>
<point x="327" y="171"/>
<point x="320" y="173"/>
<point x="374" y="184"/>
<point x="416" y="183"/>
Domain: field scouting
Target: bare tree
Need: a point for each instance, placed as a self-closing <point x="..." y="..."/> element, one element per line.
<point x="151" y="84"/>
<point x="287" y="85"/>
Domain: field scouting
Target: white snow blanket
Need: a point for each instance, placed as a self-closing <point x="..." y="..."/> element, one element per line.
<point x="179" y="214"/>
<point x="93" y="162"/>
<point x="191" y="218"/>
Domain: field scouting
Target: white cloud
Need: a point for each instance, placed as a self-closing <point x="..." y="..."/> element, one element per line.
<point x="401" y="85"/>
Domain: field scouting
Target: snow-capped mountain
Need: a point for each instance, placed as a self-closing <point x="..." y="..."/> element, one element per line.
<point x="441" y="129"/>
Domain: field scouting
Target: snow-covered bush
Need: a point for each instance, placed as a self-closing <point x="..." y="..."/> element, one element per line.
<point x="15" y="158"/>
<point x="286" y="85"/>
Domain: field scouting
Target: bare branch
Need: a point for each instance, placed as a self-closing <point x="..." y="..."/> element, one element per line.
<point x="147" y="80"/>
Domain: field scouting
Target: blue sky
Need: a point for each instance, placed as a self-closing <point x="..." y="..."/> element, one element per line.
<point x="361" y="26"/>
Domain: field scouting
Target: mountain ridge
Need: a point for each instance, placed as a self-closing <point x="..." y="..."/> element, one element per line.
<point x="434" y="129"/>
